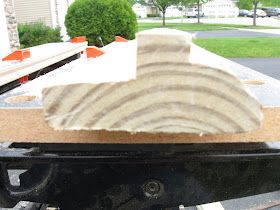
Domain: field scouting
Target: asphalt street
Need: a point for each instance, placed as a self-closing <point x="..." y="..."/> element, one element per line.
<point x="268" y="66"/>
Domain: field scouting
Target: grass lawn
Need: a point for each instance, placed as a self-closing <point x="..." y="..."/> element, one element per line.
<point x="242" y="47"/>
<point x="196" y="26"/>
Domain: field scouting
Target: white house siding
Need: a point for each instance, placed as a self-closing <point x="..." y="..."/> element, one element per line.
<point x="140" y="10"/>
<point x="50" y="12"/>
<point x="33" y="10"/>
<point x="4" y="41"/>
<point x="220" y="8"/>
<point x="173" y="11"/>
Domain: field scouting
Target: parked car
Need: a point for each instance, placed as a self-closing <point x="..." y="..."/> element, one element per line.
<point x="271" y="11"/>
<point x="259" y="13"/>
<point x="244" y="13"/>
<point x="193" y="12"/>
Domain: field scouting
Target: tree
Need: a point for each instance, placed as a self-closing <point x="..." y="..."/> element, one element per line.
<point x="132" y="2"/>
<point x="243" y="4"/>
<point x="255" y="5"/>
<point x="198" y="4"/>
<point x="271" y="3"/>
<point x="249" y="4"/>
<point x="162" y="6"/>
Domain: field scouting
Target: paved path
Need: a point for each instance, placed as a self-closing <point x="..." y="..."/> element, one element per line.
<point x="268" y="66"/>
<point x="231" y="33"/>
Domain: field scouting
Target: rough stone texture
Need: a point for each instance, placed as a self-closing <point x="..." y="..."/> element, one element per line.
<point x="11" y="24"/>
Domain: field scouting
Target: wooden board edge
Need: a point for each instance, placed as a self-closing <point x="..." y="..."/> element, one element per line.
<point x="18" y="72"/>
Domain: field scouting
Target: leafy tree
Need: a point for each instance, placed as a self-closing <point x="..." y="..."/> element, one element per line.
<point x="252" y="4"/>
<point x="161" y="5"/>
<point x="245" y="4"/>
<point x="249" y="4"/>
<point x="271" y="3"/>
<point x="255" y="5"/>
<point x="198" y="4"/>
<point x="132" y="2"/>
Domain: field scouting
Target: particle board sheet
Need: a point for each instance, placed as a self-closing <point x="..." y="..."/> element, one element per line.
<point x="22" y="114"/>
<point x="40" y="57"/>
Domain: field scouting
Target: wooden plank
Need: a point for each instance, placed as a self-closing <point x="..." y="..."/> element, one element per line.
<point x="41" y="57"/>
<point x="16" y="123"/>
<point x="170" y="93"/>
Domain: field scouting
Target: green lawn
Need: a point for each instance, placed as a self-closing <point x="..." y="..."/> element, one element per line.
<point x="242" y="47"/>
<point x="196" y="26"/>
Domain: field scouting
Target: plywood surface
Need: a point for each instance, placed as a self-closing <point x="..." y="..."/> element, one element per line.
<point x="27" y="125"/>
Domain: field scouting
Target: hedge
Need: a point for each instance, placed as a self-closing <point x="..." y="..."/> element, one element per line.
<point x="32" y="34"/>
<point x="104" y="18"/>
<point x="153" y="15"/>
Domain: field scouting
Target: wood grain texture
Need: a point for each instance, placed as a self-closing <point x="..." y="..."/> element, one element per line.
<point x="170" y="94"/>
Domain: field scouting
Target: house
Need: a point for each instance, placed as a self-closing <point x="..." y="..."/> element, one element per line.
<point x="50" y="12"/>
<point x="140" y="10"/>
<point x="173" y="11"/>
<point x="143" y="10"/>
<point x="220" y="8"/>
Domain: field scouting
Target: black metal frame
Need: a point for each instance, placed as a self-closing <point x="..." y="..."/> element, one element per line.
<point x="127" y="176"/>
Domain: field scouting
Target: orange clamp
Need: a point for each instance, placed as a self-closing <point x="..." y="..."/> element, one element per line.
<point x="120" y="39"/>
<point x="93" y="52"/>
<point x="19" y="55"/>
<point x="78" y="39"/>
<point x="23" y="79"/>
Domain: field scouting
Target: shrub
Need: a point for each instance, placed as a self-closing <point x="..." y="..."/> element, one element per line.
<point x="32" y="34"/>
<point x="104" y="18"/>
<point x="153" y="15"/>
